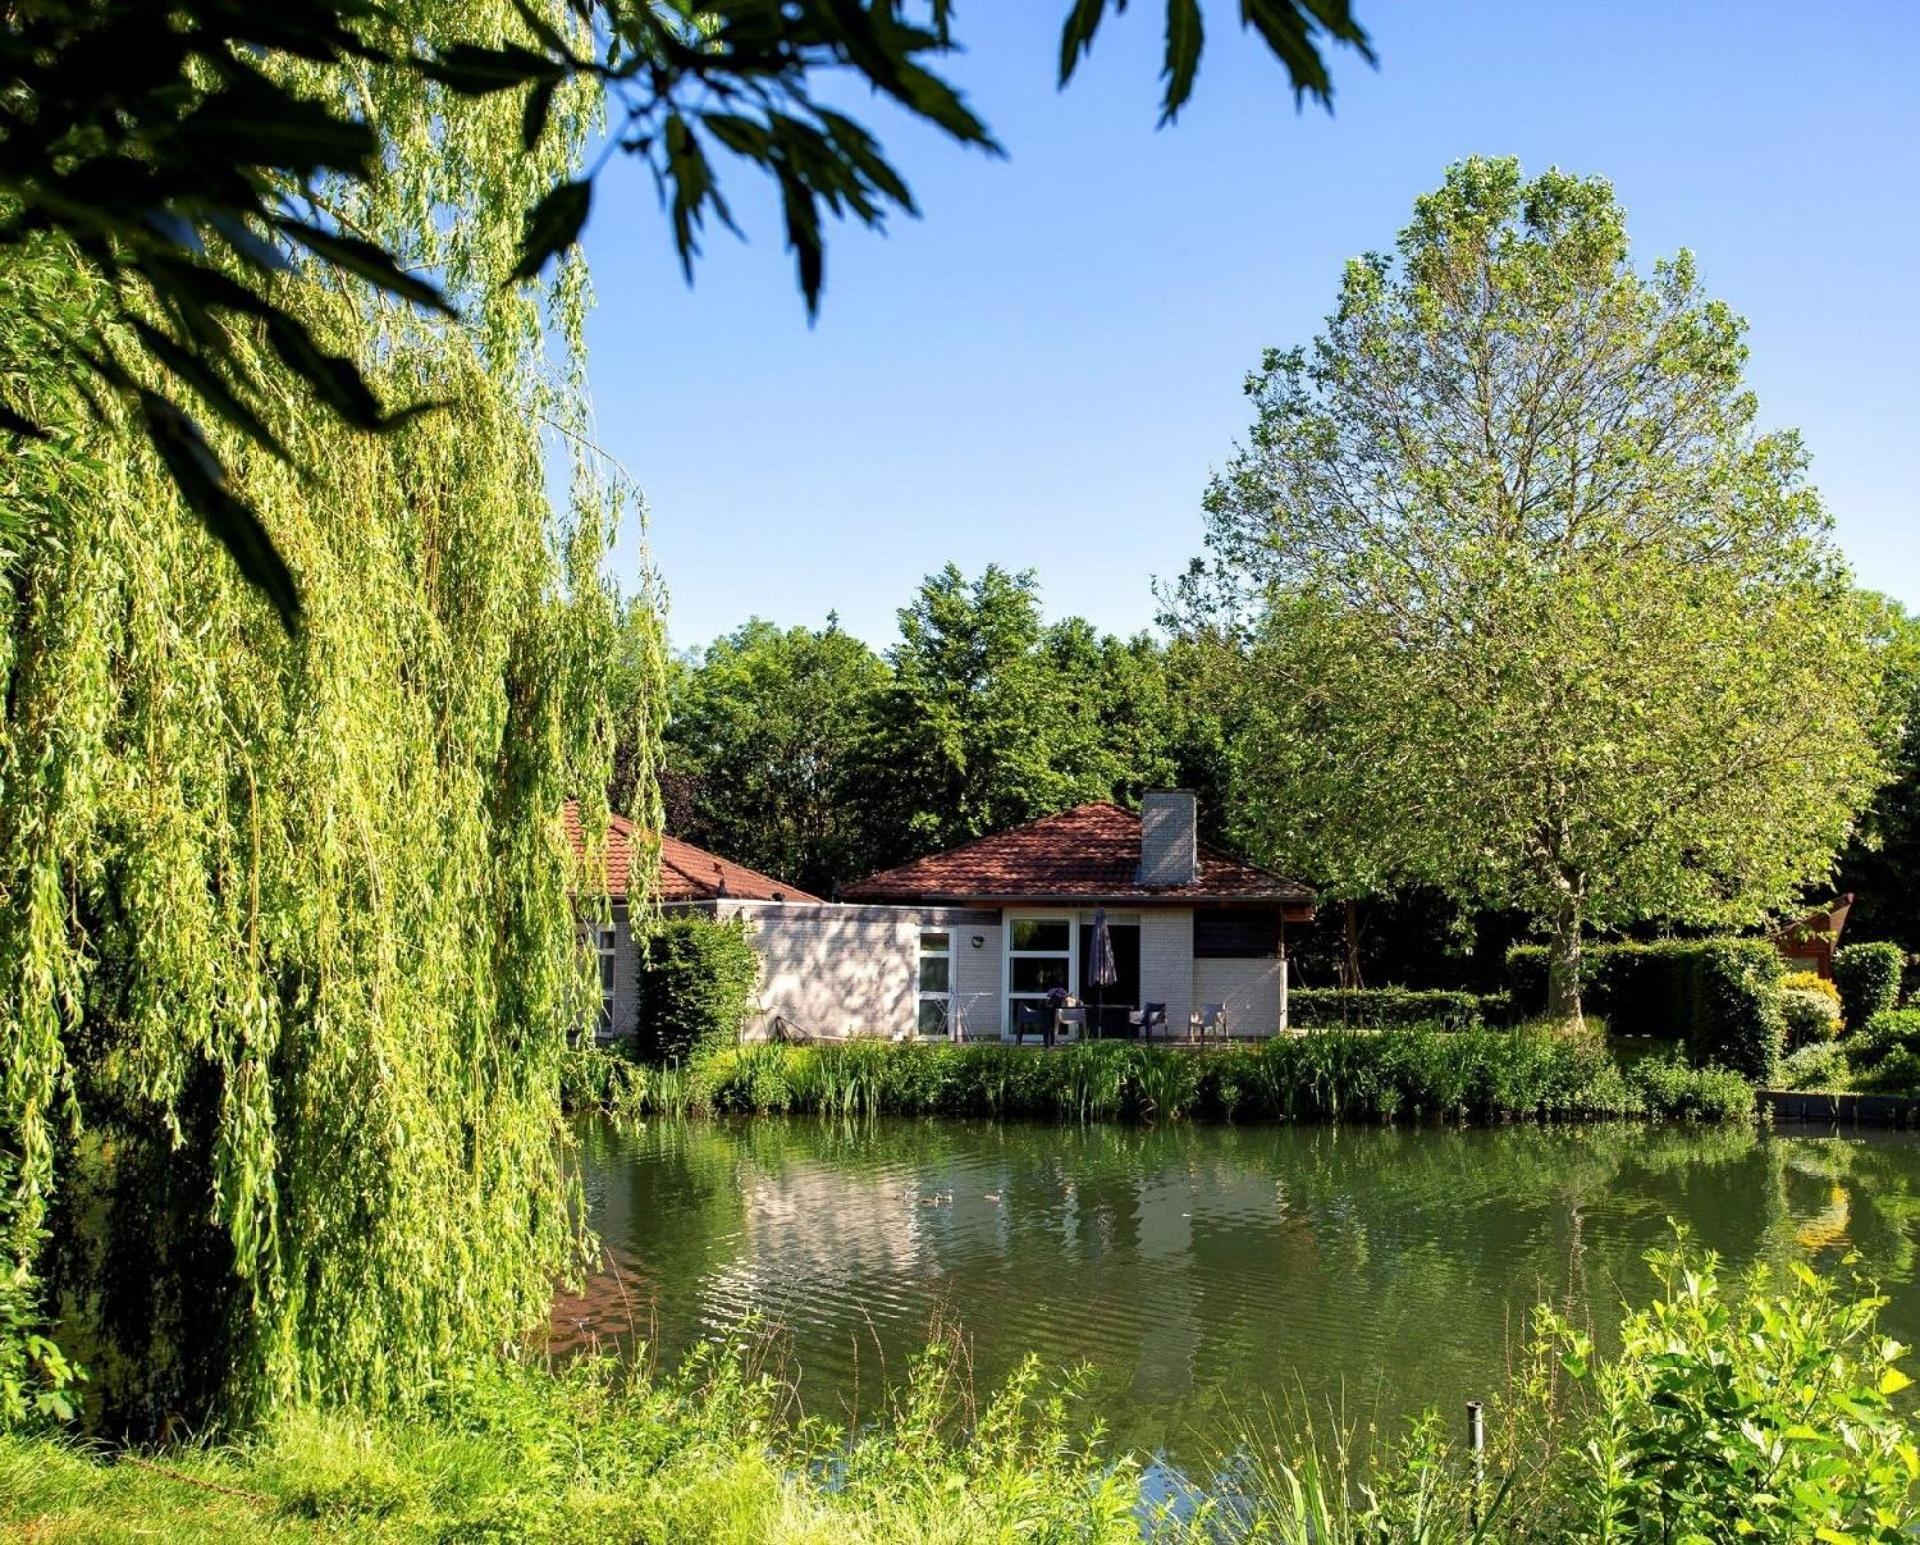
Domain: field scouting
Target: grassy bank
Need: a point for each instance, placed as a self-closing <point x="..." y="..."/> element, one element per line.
<point x="1414" y="1073"/>
<point x="1767" y="1413"/>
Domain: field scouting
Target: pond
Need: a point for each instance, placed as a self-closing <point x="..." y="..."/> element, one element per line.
<point x="1199" y="1272"/>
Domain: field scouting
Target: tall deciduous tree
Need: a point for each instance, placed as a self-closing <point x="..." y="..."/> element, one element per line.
<point x="1536" y="612"/>
<point x="1881" y="866"/>
<point x="288" y="958"/>
<point x="990" y="719"/>
<point x="768" y="731"/>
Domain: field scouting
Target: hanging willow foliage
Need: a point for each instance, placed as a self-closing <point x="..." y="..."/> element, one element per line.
<point x="286" y="950"/>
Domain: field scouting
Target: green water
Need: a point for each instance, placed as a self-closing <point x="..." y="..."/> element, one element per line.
<point x="1199" y="1272"/>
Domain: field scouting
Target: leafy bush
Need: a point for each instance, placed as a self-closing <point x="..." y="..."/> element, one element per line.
<point x="1810" y="1016"/>
<point x="1720" y="996"/>
<point x="1886" y="1032"/>
<point x="1764" y="1413"/>
<point x="607" y="1080"/>
<point x="1820" y="1065"/>
<point x="697" y="981"/>
<point x="1385" y="1008"/>
<point x="1898" y="1072"/>
<point x="1867" y="977"/>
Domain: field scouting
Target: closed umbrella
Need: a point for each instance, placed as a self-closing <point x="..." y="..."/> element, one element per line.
<point x="1102" y="970"/>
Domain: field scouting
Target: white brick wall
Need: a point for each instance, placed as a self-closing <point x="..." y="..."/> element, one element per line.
<point x="1166" y="963"/>
<point x="1250" y="989"/>
<point x="976" y="979"/>
<point x="840" y="970"/>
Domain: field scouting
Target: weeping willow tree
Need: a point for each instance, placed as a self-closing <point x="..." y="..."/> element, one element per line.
<point x="287" y="956"/>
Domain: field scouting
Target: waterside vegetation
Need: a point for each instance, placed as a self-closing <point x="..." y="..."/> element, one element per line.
<point x="1408" y="1073"/>
<point x="1767" y="1409"/>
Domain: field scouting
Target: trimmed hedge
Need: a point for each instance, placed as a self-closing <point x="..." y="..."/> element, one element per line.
<point x="697" y="981"/>
<point x="1868" y="976"/>
<point x="1720" y="996"/>
<point x="1386" y="1008"/>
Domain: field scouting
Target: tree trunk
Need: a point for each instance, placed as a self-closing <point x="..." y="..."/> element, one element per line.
<point x="1563" y="968"/>
<point x="1350" y="967"/>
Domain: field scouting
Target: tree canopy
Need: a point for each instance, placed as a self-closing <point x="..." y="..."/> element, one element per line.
<point x="1534" y="611"/>
<point x="807" y="755"/>
<point x="288" y="955"/>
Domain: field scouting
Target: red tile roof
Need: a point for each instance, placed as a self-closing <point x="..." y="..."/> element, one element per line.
<point x="687" y="873"/>
<point x="1090" y="853"/>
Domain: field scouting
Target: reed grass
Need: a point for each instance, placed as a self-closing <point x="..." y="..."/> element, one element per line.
<point x="1422" y="1073"/>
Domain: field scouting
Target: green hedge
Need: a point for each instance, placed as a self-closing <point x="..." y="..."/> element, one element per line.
<point x="1720" y="996"/>
<point x="1412" y="1073"/>
<point x="1868" y="976"/>
<point x="1384" y="1008"/>
<point x="697" y="982"/>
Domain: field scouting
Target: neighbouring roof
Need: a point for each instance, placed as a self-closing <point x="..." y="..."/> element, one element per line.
<point x="1088" y="854"/>
<point x="687" y="873"/>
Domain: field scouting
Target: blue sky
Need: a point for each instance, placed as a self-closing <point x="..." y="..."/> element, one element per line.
<point x="1041" y="371"/>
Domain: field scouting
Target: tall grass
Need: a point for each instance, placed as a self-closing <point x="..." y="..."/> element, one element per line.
<point x="1763" y="1410"/>
<point x="1406" y="1074"/>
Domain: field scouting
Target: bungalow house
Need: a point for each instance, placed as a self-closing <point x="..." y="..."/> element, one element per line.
<point x="1006" y="920"/>
<point x="689" y="877"/>
<point x="957" y="943"/>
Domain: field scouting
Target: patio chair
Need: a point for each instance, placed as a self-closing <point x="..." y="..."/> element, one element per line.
<point x="1070" y="1024"/>
<point x="1034" y="1017"/>
<point x="1209" y="1020"/>
<point x="1150" y="1018"/>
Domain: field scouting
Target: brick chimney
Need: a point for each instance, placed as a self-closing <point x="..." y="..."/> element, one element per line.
<point x="1169" y="838"/>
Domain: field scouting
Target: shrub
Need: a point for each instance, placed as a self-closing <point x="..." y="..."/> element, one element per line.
<point x="1821" y="1065"/>
<point x="1867" y="977"/>
<point x="1883" y="1033"/>
<point x="1737" y="1019"/>
<point x="1898" y="1072"/>
<point x="1762" y="1413"/>
<point x="1720" y="996"/>
<point x="697" y="981"/>
<point x="1385" y="1008"/>
<point x="1810" y="1016"/>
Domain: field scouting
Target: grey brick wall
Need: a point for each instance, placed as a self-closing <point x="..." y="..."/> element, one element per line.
<point x="1249" y="988"/>
<point x="845" y="970"/>
<point x="1166" y="963"/>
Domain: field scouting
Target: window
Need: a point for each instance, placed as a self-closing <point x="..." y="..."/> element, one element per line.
<point x="1039" y="961"/>
<point x="1041" y="935"/>
<point x="604" y="947"/>
<point x="1253" y="934"/>
<point x="936" y="983"/>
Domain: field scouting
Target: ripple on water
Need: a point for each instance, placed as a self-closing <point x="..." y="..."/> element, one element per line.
<point x="1197" y="1272"/>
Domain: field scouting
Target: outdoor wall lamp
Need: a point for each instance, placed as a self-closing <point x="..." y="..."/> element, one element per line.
<point x="979" y="940"/>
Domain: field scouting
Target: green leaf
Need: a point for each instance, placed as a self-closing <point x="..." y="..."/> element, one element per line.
<point x="553" y="225"/>
<point x="202" y="482"/>
<point x="1076" y="36"/>
<point x="533" y="117"/>
<point x="370" y="261"/>
<point x="1185" y="34"/>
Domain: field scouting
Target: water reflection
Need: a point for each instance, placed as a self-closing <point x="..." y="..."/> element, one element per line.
<point x="1199" y="1271"/>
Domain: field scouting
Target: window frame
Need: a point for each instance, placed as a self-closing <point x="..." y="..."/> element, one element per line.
<point x="1009" y="998"/>
<point x="606" y="949"/>
<point x="924" y="995"/>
